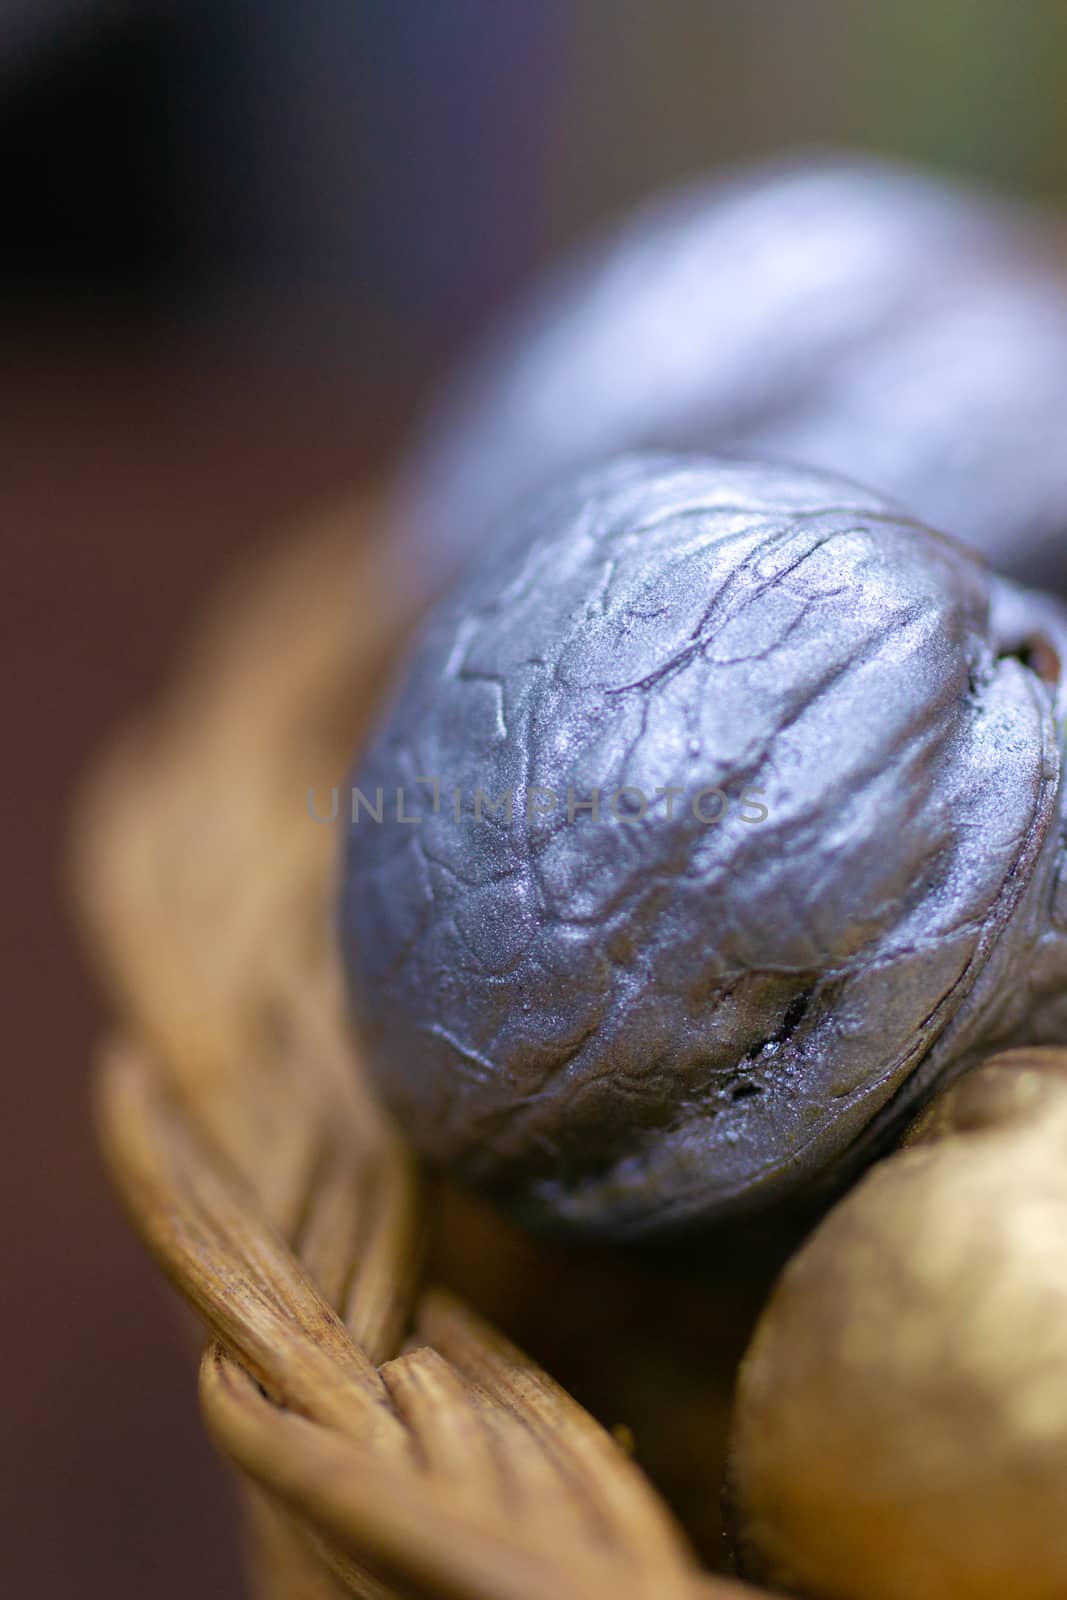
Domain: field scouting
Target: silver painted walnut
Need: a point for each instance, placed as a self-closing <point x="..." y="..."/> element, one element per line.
<point x="837" y="311"/>
<point x="821" y="872"/>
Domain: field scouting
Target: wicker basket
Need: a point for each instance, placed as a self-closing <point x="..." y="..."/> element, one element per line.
<point x="390" y="1440"/>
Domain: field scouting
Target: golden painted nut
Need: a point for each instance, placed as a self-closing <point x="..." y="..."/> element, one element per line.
<point x="901" y="1419"/>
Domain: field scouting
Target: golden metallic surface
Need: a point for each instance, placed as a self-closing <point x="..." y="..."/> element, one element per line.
<point x="901" y="1420"/>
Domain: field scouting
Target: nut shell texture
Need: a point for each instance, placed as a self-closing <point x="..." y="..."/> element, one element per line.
<point x="842" y="313"/>
<point x="634" y="1023"/>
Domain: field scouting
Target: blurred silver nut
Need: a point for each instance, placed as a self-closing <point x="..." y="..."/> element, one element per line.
<point x="836" y="311"/>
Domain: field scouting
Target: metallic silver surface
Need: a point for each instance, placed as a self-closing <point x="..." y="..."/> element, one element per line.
<point x="840" y="313"/>
<point x="630" y="1023"/>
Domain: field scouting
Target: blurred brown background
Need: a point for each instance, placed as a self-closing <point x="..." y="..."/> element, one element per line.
<point x="238" y="242"/>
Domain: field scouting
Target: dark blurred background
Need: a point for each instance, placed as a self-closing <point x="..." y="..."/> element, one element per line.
<point x="237" y="242"/>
